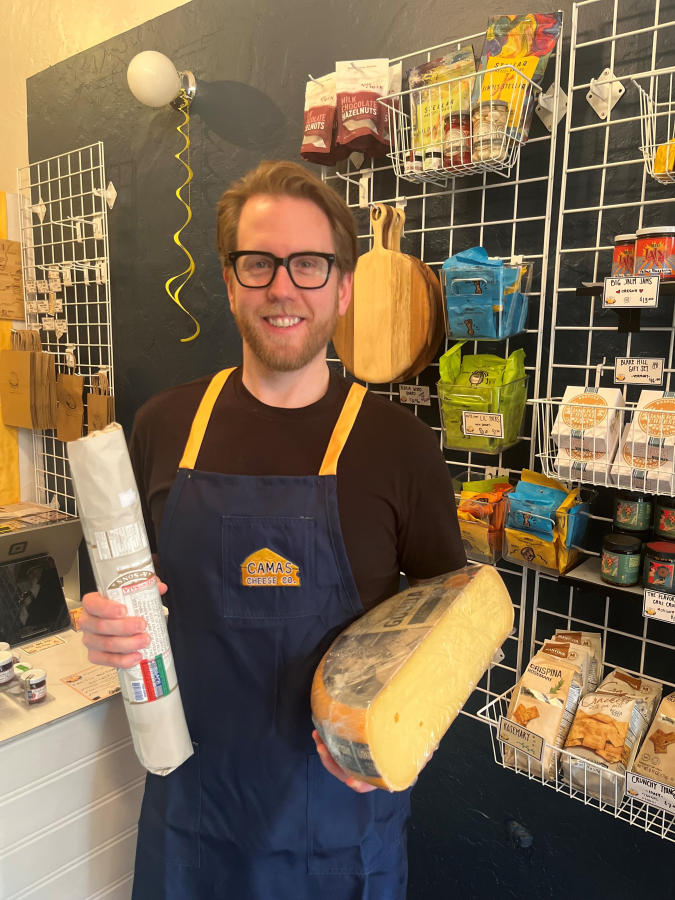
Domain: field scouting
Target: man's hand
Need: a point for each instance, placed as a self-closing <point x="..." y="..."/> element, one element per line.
<point x="111" y="635"/>
<point x="361" y="787"/>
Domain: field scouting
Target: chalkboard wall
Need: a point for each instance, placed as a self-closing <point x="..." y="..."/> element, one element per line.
<point x="251" y="61"/>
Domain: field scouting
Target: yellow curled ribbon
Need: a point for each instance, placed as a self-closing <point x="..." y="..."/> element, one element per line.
<point x="187" y="273"/>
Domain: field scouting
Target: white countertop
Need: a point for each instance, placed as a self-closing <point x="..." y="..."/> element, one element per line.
<point x="60" y="661"/>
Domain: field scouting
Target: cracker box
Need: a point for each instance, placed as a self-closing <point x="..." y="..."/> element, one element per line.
<point x="589" y="419"/>
<point x="656" y="758"/>
<point x="590" y="466"/>
<point x="652" y="474"/>
<point x="653" y="426"/>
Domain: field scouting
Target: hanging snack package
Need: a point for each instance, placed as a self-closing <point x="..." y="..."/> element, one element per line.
<point x="544" y="701"/>
<point x="524" y="42"/>
<point x="592" y="640"/>
<point x="573" y="653"/>
<point x="112" y="521"/>
<point x="320" y="126"/>
<point x="70" y="410"/>
<point x="434" y="107"/>
<point x="390" y="685"/>
<point x="620" y="682"/>
<point x="100" y="404"/>
<point x="359" y="85"/>
<point x="607" y="731"/>
<point x="655" y="759"/>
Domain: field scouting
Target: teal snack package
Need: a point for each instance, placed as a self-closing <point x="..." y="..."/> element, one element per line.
<point x="533" y="507"/>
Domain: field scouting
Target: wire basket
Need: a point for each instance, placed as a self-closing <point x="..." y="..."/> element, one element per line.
<point x="657" y="120"/>
<point x="590" y="783"/>
<point x="629" y="446"/>
<point x="462" y="126"/>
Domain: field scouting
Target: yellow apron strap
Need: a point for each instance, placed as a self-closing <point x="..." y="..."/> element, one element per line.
<point x="201" y="420"/>
<point x="342" y="429"/>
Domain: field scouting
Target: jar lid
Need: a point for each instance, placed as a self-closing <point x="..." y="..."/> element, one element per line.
<point x="6" y="656"/>
<point x="632" y="495"/>
<point x="491" y="104"/>
<point x="623" y="543"/>
<point x="661" y="550"/>
<point x="32" y="676"/>
<point x="656" y="230"/>
<point x="623" y="238"/>
<point x="4" y="645"/>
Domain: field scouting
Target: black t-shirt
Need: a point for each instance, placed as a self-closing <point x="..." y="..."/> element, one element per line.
<point x="395" y="494"/>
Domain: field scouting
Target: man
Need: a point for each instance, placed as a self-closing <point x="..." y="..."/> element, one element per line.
<point x="283" y="466"/>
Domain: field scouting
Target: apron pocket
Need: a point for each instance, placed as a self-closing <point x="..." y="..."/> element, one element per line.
<point x="170" y="815"/>
<point x="268" y="567"/>
<point x="350" y="833"/>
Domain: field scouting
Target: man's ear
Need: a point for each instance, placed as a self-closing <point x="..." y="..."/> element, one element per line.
<point x="229" y="279"/>
<point x="345" y="290"/>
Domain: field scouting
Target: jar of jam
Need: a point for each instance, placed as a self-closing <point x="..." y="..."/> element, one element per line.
<point x="457" y="146"/>
<point x="658" y="573"/>
<point x="621" y="557"/>
<point x="655" y="252"/>
<point x="623" y="261"/>
<point x="489" y="121"/>
<point x="6" y="667"/>
<point x="664" y="519"/>
<point x="643" y="536"/>
<point x="632" y="511"/>
<point x="34" y="685"/>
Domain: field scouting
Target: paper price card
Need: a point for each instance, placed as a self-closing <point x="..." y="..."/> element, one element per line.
<point x="520" y="738"/>
<point x="415" y="393"/>
<point x="94" y="683"/>
<point x="640" y="788"/>
<point x="637" y="292"/>
<point x="42" y="644"/>
<point x="482" y="424"/>
<point x="634" y="370"/>
<point x="43" y="286"/>
<point x="658" y="605"/>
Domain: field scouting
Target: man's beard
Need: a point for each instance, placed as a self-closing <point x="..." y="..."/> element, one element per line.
<point x="274" y="351"/>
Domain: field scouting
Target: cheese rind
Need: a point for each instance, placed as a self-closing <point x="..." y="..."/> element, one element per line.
<point x="390" y="685"/>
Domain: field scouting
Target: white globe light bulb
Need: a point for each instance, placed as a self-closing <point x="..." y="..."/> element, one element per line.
<point x="153" y="78"/>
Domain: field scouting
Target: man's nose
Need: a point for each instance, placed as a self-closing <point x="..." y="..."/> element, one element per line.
<point x="281" y="285"/>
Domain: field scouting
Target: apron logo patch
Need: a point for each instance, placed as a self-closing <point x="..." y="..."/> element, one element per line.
<point x="265" y="568"/>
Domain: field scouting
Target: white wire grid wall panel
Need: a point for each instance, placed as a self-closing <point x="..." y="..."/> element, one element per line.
<point x="508" y="217"/>
<point x="606" y="191"/>
<point x="64" y="227"/>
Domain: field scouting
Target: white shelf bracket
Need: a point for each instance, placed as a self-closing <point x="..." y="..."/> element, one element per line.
<point x="546" y="104"/>
<point x="604" y="93"/>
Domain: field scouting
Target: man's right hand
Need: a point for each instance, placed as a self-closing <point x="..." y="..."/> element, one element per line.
<point x="111" y="635"/>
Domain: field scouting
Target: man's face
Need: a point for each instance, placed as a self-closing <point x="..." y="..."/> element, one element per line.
<point x="284" y="326"/>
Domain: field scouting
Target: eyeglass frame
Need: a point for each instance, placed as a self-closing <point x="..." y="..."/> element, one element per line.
<point x="278" y="262"/>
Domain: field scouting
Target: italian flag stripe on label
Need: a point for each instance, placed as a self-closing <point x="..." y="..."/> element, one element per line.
<point x="161" y="671"/>
<point x="148" y="680"/>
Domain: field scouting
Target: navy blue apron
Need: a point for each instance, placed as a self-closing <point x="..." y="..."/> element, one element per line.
<point x="260" y="586"/>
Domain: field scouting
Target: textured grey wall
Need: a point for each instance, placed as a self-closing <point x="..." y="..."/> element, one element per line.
<point x="252" y="61"/>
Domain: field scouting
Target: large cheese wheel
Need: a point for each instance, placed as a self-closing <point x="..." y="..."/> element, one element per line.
<point x="391" y="684"/>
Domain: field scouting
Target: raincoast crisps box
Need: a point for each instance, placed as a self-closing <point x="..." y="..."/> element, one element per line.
<point x="589" y="419"/>
<point x="620" y="682"/>
<point x="606" y="732"/>
<point x="653" y="473"/>
<point x="652" y="432"/>
<point x="656" y="758"/>
<point x="592" y="640"/>
<point x="544" y="701"/>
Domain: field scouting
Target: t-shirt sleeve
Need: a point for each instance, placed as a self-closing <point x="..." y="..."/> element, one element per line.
<point x="429" y="540"/>
<point x="138" y="454"/>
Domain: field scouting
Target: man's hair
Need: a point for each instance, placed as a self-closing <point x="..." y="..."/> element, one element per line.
<point x="287" y="179"/>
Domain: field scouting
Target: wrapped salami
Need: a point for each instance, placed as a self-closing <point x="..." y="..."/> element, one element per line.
<point x="112" y="522"/>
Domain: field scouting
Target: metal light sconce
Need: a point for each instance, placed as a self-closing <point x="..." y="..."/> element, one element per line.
<point x="154" y="80"/>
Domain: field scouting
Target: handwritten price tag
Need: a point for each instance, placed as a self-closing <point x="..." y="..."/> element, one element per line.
<point x="658" y="605"/>
<point x="482" y="424"/>
<point x="520" y="738"/>
<point x="414" y="393"/>
<point x="632" y="370"/>
<point x="639" y="292"/>
<point x="640" y="788"/>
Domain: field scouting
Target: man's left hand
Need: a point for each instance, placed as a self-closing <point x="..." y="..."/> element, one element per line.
<point x="361" y="787"/>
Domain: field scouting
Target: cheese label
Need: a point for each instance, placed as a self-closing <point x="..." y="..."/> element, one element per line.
<point x="265" y="568"/>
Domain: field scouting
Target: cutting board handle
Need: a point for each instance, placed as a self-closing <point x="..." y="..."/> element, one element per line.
<point x="396" y="229"/>
<point x="378" y="219"/>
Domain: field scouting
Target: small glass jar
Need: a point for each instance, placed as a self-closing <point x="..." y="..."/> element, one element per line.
<point x="655" y="252"/>
<point x="658" y="573"/>
<point x="664" y="519"/>
<point x="623" y="261"/>
<point x="457" y="145"/>
<point x="34" y="685"/>
<point x="489" y="120"/>
<point x="6" y="667"/>
<point x="632" y="511"/>
<point x="621" y="557"/>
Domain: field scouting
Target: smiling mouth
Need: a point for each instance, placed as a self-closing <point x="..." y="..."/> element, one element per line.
<point x="283" y="321"/>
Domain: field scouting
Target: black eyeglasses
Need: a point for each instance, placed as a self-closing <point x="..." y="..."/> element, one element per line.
<point x="307" y="271"/>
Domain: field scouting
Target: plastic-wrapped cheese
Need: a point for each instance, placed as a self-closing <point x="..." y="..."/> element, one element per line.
<point x="391" y="684"/>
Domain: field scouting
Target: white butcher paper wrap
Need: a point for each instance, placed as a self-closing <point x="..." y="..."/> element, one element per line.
<point x="112" y="521"/>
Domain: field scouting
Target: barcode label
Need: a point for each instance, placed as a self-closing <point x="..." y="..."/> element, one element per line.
<point x="138" y="689"/>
